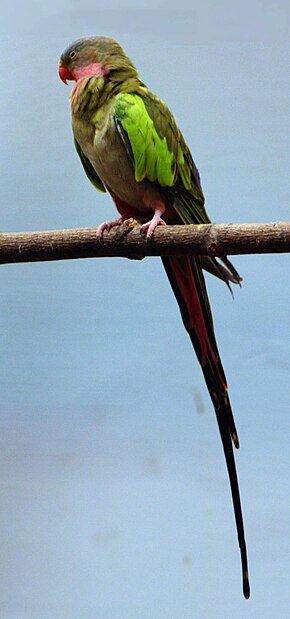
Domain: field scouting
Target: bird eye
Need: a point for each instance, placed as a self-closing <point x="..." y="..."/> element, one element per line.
<point x="72" y="54"/>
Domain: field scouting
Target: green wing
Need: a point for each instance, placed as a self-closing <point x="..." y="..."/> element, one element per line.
<point x="159" y="152"/>
<point x="89" y="169"/>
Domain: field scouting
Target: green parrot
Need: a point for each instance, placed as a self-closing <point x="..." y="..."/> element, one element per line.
<point x="129" y="145"/>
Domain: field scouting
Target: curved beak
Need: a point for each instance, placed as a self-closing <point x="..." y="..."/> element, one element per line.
<point x="64" y="72"/>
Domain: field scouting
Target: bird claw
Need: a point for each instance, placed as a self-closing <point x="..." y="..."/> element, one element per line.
<point x="107" y="225"/>
<point x="149" y="227"/>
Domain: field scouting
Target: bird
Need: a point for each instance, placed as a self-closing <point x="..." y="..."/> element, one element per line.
<point x="130" y="146"/>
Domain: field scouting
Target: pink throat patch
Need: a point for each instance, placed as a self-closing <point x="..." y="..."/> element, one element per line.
<point x="89" y="70"/>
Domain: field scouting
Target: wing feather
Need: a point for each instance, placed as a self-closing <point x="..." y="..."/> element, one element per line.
<point x="89" y="169"/>
<point x="159" y="152"/>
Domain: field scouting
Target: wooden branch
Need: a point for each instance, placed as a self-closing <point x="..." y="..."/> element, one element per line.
<point x="125" y="240"/>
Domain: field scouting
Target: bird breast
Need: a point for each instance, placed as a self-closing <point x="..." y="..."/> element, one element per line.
<point x="101" y="143"/>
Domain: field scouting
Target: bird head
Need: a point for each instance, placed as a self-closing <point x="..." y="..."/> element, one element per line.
<point x="92" y="55"/>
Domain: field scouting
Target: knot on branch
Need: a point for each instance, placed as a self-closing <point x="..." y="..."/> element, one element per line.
<point x="211" y="239"/>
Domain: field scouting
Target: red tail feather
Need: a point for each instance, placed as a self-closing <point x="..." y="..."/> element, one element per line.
<point x="187" y="281"/>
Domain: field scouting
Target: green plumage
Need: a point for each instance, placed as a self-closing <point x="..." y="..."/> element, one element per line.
<point x="89" y="169"/>
<point x="156" y="148"/>
<point x="150" y="154"/>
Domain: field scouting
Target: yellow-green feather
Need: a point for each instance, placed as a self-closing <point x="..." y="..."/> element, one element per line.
<point x="159" y="152"/>
<point x="152" y="157"/>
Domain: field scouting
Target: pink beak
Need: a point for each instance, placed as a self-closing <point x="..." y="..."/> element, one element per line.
<point x="64" y="72"/>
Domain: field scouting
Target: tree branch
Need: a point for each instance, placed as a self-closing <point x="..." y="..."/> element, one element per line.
<point x="125" y="240"/>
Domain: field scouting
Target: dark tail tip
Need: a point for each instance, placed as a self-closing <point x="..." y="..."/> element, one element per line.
<point x="235" y="440"/>
<point x="246" y="585"/>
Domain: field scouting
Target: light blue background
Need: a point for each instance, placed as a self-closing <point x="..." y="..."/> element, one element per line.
<point x="114" y="495"/>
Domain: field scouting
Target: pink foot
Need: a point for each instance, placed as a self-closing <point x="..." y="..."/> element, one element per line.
<point x="107" y="225"/>
<point x="150" y="226"/>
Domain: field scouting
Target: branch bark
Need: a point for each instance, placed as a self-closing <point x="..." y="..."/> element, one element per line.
<point x="125" y="240"/>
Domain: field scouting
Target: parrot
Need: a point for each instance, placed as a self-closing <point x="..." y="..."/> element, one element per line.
<point x="130" y="146"/>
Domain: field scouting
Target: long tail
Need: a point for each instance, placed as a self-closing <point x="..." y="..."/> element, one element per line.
<point x="187" y="281"/>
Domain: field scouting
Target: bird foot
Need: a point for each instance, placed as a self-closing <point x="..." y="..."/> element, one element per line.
<point x="149" y="227"/>
<point x="107" y="225"/>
